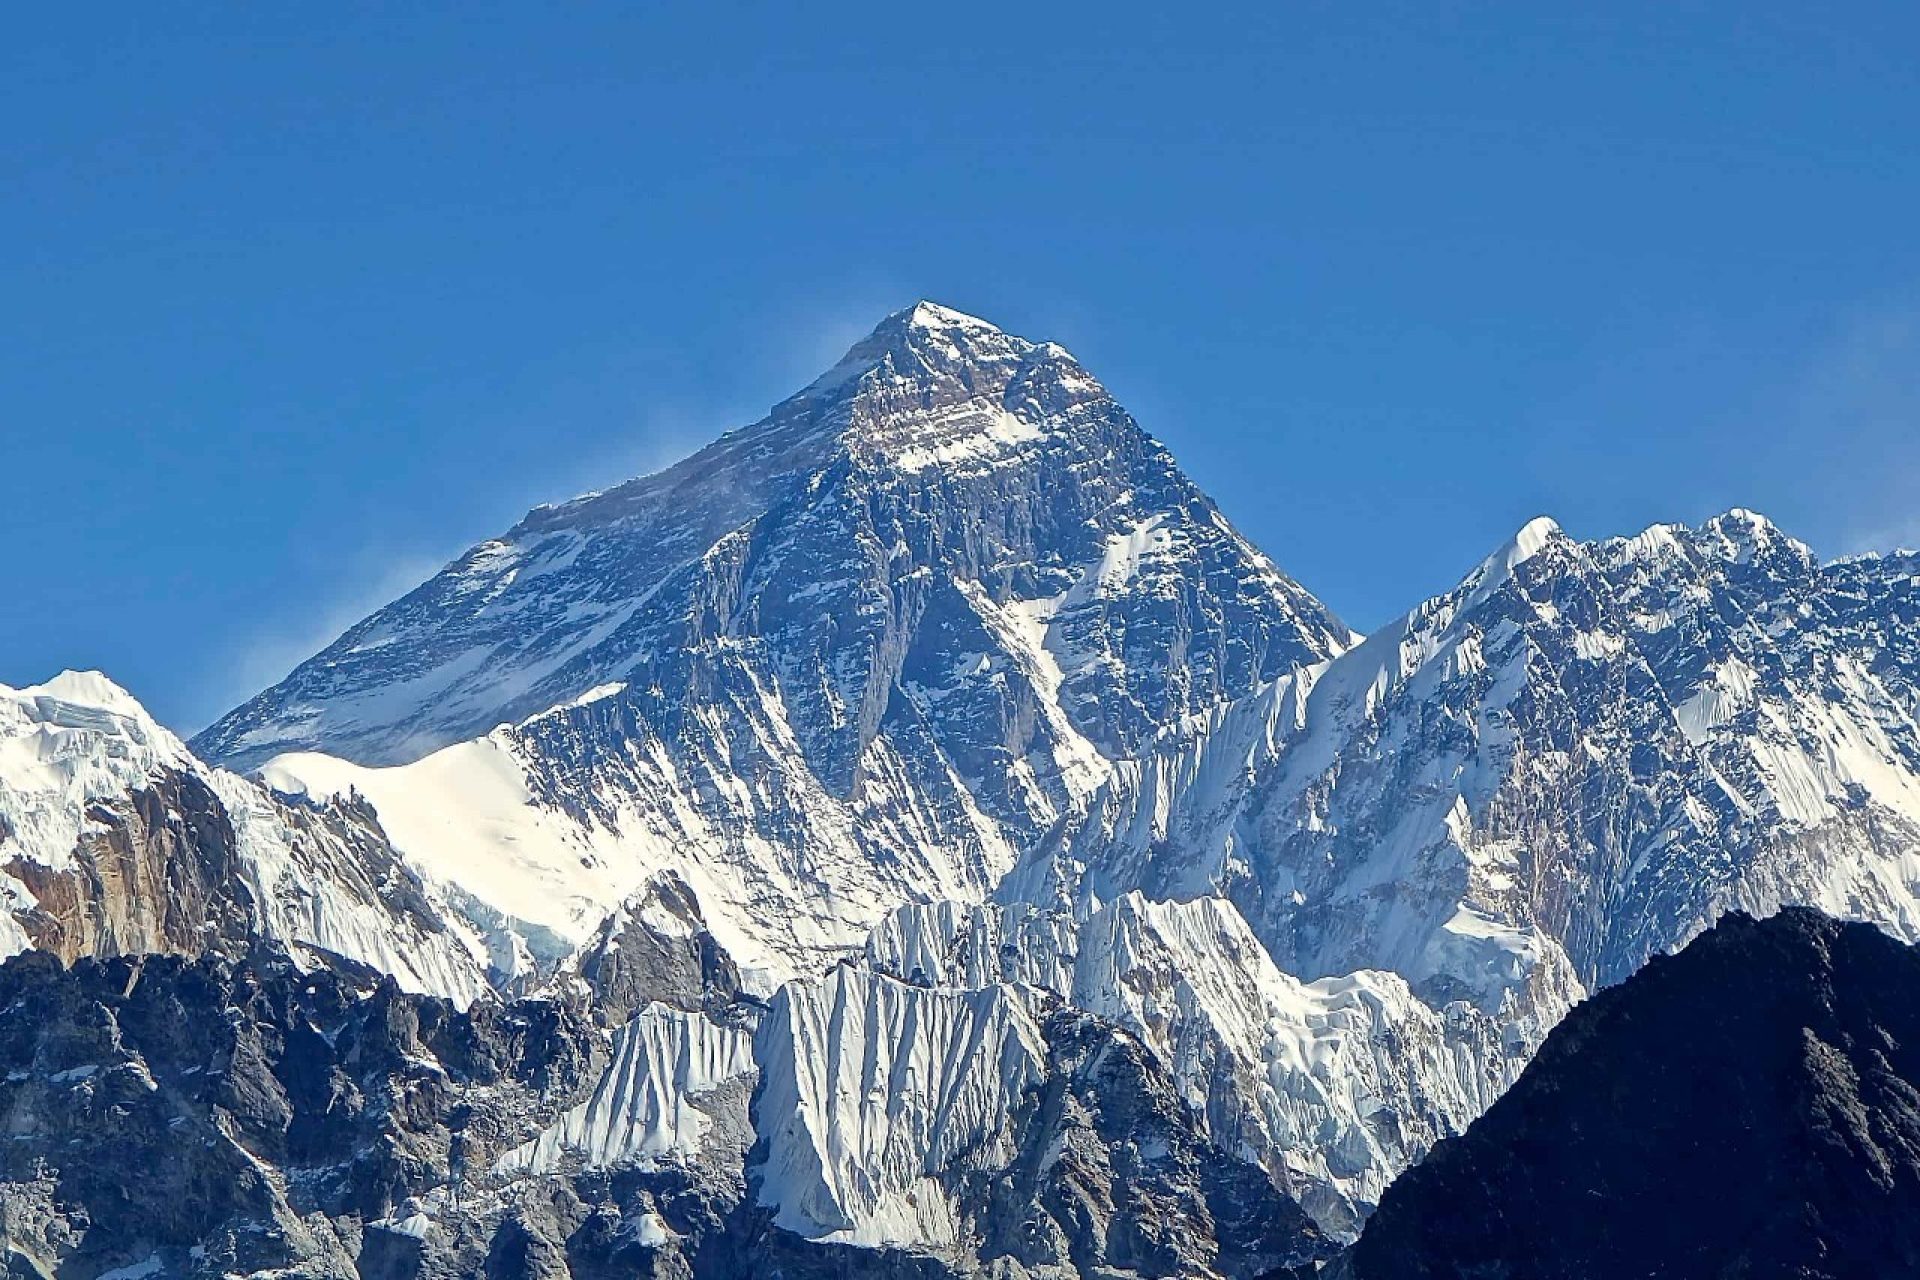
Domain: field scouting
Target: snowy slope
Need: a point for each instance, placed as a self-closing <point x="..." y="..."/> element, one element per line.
<point x="656" y="1100"/>
<point x="114" y="839"/>
<point x="875" y="1089"/>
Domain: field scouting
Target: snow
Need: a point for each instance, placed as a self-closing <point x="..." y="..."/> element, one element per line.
<point x="151" y="1265"/>
<point x="76" y="739"/>
<point x="464" y="816"/>
<point x="870" y="1086"/>
<point x="80" y="741"/>
<point x="648" y="1104"/>
<point x="599" y="693"/>
<point x="418" y="1226"/>
<point x="1121" y="561"/>
<point x="1313" y="1067"/>
<point x="967" y="438"/>
<point x="467" y="816"/>
<point x="1728" y="692"/>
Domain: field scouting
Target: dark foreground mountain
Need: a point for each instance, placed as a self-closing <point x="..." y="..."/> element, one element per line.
<point x="1749" y="1107"/>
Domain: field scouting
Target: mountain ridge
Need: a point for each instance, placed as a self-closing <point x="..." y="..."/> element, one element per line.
<point x="861" y="652"/>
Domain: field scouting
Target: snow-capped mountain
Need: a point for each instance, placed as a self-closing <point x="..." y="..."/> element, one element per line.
<point x="1578" y="758"/>
<point x="860" y="653"/>
<point x="940" y="843"/>
<point x="117" y="841"/>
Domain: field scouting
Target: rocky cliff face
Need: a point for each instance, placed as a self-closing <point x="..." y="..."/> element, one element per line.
<point x="1747" y="1107"/>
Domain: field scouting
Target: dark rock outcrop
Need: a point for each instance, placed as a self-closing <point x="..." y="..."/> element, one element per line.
<point x="1748" y="1107"/>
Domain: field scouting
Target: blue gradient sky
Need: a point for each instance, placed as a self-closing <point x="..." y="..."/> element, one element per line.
<point x="298" y="301"/>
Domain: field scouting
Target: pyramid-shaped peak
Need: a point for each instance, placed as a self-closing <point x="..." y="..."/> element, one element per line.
<point x="928" y="337"/>
<point x="926" y="314"/>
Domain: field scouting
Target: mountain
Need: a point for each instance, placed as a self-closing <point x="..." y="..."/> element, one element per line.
<point x="940" y="844"/>
<point x="116" y="840"/>
<point x="1333" y="1087"/>
<point x="1749" y="1107"/>
<point x="861" y="652"/>
<point x="1575" y="760"/>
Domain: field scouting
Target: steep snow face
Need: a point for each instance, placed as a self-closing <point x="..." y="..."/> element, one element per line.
<point x="1578" y="758"/>
<point x="875" y="1093"/>
<point x="671" y="1078"/>
<point x="1333" y="1086"/>
<point x="860" y="653"/>
<point x="113" y="838"/>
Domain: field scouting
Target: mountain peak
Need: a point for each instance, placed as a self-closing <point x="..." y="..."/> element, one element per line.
<point x="1533" y="537"/>
<point x="940" y="448"/>
<point x="927" y="314"/>
<point x="924" y="338"/>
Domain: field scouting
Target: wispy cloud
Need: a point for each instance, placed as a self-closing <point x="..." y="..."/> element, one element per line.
<point x="1861" y="395"/>
<point x="261" y="655"/>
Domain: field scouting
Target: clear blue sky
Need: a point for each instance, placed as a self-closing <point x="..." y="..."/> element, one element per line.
<point x="297" y="301"/>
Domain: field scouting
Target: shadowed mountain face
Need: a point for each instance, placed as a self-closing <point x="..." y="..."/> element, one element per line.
<point x="1749" y="1107"/>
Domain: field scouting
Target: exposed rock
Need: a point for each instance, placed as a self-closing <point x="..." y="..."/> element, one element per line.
<point x="1749" y="1107"/>
<point x="325" y="1123"/>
